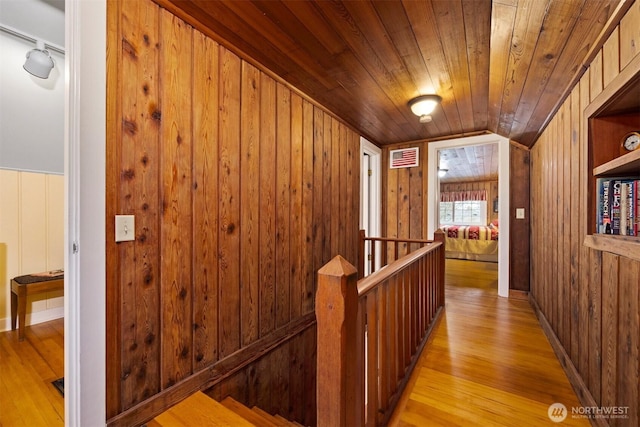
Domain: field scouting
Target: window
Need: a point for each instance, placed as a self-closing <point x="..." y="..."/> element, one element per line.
<point x="470" y="212"/>
<point x="463" y="208"/>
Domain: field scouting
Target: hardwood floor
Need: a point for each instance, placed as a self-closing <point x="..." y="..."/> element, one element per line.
<point x="488" y="362"/>
<point x="27" y="368"/>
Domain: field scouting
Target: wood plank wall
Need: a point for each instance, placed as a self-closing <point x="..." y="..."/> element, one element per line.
<point x="404" y="210"/>
<point x="491" y="187"/>
<point x="242" y="189"/>
<point x="404" y="192"/>
<point x="589" y="298"/>
<point x="519" y="231"/>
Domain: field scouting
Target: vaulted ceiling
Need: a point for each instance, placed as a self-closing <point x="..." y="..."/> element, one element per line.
<point x="501" y="65"/>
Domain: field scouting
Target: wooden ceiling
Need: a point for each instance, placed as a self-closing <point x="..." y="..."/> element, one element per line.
<point x="501" y="65"/>
<point x="470" y="163"/>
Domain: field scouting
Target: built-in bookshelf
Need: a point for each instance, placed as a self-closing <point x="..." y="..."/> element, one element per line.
<point x="610" y="117"/>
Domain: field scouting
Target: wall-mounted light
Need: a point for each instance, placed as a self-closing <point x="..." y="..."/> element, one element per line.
<point x="442" y="172"/>
<point x="39" y="61"/>
<point x="422" y="106"/>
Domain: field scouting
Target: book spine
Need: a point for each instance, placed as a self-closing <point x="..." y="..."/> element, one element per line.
<point x="624" y="208"/>
<point x="615" y="202"/>
<point x="637" y="207"/>
<point x="599" y="205"/>
<point x="604" y="217"/>
<point x="630" y="208"/>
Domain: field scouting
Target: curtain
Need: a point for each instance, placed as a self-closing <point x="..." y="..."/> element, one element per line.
<point x="463" y="196"/>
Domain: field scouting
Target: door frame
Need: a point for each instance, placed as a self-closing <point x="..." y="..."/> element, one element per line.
<point x="433" y="195"/>
<point x="85" y="191"/>
<point x="375" y="193"/>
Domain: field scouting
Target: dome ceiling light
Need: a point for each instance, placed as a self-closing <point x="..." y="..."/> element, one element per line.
<point x="422" y="106"/>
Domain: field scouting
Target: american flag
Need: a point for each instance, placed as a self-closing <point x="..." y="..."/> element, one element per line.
<point x="406" y="157"/>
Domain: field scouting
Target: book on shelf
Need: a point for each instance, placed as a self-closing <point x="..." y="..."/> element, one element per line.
<point x="603" y="217"/>
<point x="618" y="206"/>
<point x="636" y="208"/>
<point x="628" y="208"/>
<point x="615" y="207"/>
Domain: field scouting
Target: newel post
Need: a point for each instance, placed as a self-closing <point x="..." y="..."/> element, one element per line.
<point x="340" y="388"/>
<point x="438" y="236"/>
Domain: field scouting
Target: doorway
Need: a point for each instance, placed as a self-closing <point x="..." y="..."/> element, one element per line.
<point x="370" y="195"/>
<point x="433" y="195"/>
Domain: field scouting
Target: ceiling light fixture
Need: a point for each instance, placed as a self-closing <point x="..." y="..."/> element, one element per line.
<point x="39" y="61"/>
<point x="442" y="166"/>
<point x="422" y="106"/>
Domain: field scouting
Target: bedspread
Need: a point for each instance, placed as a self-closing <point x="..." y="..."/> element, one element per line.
<point x="471" y="232"/>
<point x="471" y="242"/>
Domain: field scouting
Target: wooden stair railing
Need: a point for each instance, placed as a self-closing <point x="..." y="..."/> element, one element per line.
<point x="388" y="248"/>
<point x="371" y="332"/>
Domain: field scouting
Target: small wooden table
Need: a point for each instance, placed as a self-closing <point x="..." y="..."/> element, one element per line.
<point x="31" y="284"/>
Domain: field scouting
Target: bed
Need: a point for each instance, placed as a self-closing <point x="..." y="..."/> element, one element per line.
<point x="472" y="242"/>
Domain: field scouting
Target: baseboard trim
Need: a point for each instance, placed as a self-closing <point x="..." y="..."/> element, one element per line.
<point x="578" y="384"/>
<point x="517" y="294"/>
<point x="35" y="318"/>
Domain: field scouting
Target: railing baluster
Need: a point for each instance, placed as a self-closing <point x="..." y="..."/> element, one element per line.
<point x="361" y="252"/>
<point x="372" y="357"/>
<point x="383" y="327"/>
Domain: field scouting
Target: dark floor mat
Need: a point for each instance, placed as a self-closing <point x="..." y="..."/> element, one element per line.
<point x="59" y="385"/>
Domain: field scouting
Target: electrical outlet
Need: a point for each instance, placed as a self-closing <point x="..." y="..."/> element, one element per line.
<point x="519" y="213"/>
<point x="125" y="228"/>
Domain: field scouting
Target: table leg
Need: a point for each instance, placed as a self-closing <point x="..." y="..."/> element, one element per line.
<point x="14" y="310"/>
<point x="22" y="311"/>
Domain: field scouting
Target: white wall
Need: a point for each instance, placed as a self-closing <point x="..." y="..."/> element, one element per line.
<point x="43" y="19"/>
<point x="31" y="112"/>
<point x="31" y="109"/>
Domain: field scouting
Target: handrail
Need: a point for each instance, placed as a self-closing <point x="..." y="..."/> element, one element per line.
<point x="395" y="243"/>
<point x="371" y="281"/>
<point x="371" y="332"/>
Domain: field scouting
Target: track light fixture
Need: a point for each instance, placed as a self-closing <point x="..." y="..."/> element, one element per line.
<point x="39" y="61"/>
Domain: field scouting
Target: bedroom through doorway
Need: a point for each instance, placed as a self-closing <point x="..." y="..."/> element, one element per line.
<point x="468" y="201"/>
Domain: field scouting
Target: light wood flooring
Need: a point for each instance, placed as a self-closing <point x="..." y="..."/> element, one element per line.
<point x="488" y="362"/>
<point x="27" y="368"/>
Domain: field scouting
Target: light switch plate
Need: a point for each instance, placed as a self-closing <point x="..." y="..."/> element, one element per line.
<point x="519" y="213"/>
<point x="125" y="228"/>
